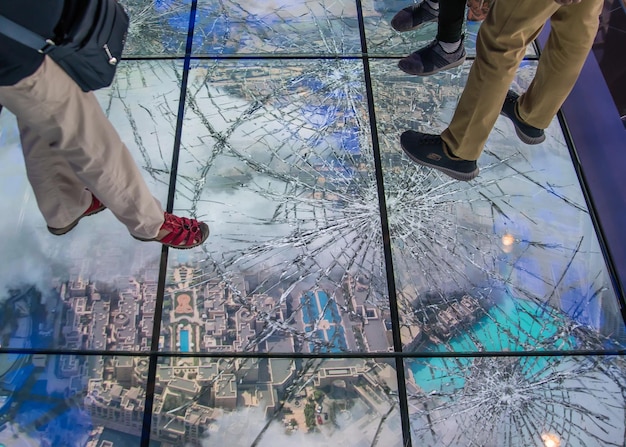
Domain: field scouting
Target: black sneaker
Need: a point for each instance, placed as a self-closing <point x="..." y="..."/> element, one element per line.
<point x="527" y="133"/>
<point x="432" y="59"/>
<point x="413" y="16"/>
<point x="427" y="150"/>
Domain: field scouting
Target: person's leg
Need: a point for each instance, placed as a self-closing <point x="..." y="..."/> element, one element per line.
<point x="70" y="145"/>
<point x="447" y="50"/>
<point x="509" y="28"/>
<point x="573" y="30"/>
<point x="60" y="195"/>
<point x="450" y="21"/>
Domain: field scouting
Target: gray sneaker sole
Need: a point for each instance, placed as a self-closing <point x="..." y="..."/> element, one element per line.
<point x="463" y="176"/>
<point x="522" y="136"/>
<point x="446" y="67"/>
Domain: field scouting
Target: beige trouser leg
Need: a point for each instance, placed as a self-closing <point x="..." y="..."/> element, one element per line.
<point x="561" y="61"/>
<point x="69" y="145"/>
<point x="509" y="28"/>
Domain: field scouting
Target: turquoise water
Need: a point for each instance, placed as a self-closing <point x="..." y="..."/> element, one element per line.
<point x="312" y="305"/>
<point x="514" y="325"/>
<point x="184" y="341"/>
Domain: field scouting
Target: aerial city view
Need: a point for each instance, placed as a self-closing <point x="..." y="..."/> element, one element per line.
<point x="345" y="296"/>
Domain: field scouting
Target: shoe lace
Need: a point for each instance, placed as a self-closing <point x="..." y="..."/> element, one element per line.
<point x="430" y="139"/>
<point x="510" y="99"/>
<point x="182" y="228"/>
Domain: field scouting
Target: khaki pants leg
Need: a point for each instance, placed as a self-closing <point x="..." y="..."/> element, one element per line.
<point x="69" y="145"/>
<point x="573" y="31"/>
<point x="61" y="196"/>
<point x="509" y="28"/>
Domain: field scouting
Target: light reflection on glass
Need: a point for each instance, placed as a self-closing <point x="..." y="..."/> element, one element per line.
<point x="551" y="440"/>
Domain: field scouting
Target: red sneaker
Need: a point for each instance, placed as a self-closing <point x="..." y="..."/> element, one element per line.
<point x="182" y="233"/>
<point x="95" y="207"/>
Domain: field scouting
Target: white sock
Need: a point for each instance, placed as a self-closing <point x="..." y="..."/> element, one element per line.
<point x="450" y="47"/>
<point x="433" y="5"/>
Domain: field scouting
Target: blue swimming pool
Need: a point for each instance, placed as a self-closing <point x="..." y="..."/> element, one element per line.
<point x="184" y="341"/>
<point x="513" y="325"/>
<point x="313" y="304"/>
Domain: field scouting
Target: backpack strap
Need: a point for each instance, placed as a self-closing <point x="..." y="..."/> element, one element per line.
<point x="25" y="36"/>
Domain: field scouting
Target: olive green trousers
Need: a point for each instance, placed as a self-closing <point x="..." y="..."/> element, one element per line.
<point x="503" y="37"/>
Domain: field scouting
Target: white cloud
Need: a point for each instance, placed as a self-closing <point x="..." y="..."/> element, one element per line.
<point x="241" y="429"/>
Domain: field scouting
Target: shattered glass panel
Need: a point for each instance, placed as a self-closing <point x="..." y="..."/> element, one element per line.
<point x="277" y="27"/>
<point x="517" y="401"/>
<point x="275" y="402"/>
<point x="95" y="287"/>
<point x="142" y="103"/>
<point x="70" y="400"/>
<point x="157" y="27"/>
<point x="500" y="263"/>
<point x="383" y="40"/>
<point x="277" y="157"/>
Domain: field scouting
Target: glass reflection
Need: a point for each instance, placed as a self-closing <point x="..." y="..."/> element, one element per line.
<point x="502" y="262"/>
<point x="268" y="402"/>
<point x="157" y="28"/>
<point x="70" y="400"/>
<point x="276" y="154"/>
<point x="79" y="315"/>
<point x="531" y="401"/>
<point x="303" y="27"/>
<point x="382" y="40"/>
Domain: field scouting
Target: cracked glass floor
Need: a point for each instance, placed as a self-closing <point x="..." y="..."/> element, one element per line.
<point x="345" y="294"/>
